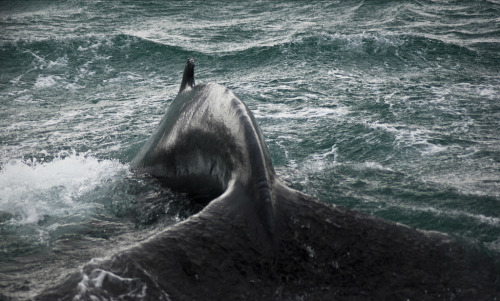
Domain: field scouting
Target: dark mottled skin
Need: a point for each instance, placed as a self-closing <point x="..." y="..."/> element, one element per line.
<point x="260" y="240"/>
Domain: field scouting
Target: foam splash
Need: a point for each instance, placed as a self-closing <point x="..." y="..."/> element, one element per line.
<point x="31" y="190"/>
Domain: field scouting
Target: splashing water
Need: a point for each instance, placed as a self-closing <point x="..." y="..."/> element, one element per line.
<point x="31" y="190"/>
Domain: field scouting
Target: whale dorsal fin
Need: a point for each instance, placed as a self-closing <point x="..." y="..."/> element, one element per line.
<point x="188" y="77"/>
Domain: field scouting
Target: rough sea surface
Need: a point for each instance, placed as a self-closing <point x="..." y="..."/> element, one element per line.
<point x="387" y="107"/>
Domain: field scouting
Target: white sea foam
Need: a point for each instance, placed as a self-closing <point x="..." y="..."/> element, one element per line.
<point x="412" y="136"/>
<point x="320" y="161"/>
<point x="124" y="78"/>
<point x="341" y="74"/>
<point x="171" y="33"/>
<point x="469" y="181"/>
<point x="489" y="92"/>
<point x="60" y="62"/>
<point x="30" y="190"/>
<point x="281" y="111"/>
<point x="455" y="213"/>
<point x="26" y="98"/>
<point x="46" y="81"/>
<point x="372" y="166"/>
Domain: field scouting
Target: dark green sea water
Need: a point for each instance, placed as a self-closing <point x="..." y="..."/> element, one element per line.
<point x="388" y="107"/>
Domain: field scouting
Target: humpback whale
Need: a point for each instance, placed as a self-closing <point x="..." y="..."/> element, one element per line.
<point x="209" y="146"/>
<point x="256" y="238"/>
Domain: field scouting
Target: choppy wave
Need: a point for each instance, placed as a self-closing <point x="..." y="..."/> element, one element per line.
<point x="79" y="62"/>
<point x="390" y="107"/>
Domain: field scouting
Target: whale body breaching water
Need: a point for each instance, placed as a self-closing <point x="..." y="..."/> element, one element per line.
<point x="256" y="238"/>
<point x="209" y="146"/>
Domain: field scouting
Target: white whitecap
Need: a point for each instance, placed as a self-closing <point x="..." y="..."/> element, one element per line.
<point x="285" y="112"/>
<point x="455" y="213"/>
<point x="30" y="190"/>
<point x="46" y="81"/>
<point x="372" y="166"/>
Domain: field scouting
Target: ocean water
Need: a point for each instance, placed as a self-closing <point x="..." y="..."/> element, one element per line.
<point x="387" y="107"/>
